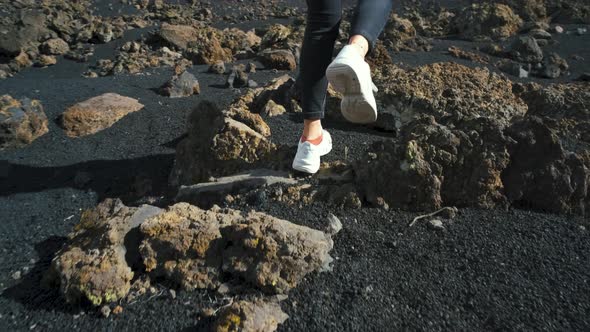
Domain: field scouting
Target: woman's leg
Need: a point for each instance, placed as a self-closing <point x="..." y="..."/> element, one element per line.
<point x="323" y="22"/>
<point x="368" y="23"/>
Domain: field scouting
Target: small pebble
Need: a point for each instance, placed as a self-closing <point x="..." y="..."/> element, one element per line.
<point x="334" y="224"/>
<point x="117" y="310"/>
<point x="223" y="289"/>
<point x="436" y="224"/>
<point x="16" y="275"/>
<point x="105" y="311"/>
<point x="172" y="293"/>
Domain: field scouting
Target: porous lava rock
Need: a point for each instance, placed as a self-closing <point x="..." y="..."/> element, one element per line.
<point x="278" y="59"/>
<point x="21" y="122"/>
<point x="193" y="248"/>
<point x="183" y="85"/>
<point x="451" y="147"/>
<point x="93" y="266"/>
<point x="218" y="145"/>
<point x="274" y="254"/>
<point x="487" y="20"/>
<point x="255" y="315"/>
<point x="97" y="113"/>
<point x="183" y="245"/>
<point x="550" y="161"/>
<point x="199" y="44"/>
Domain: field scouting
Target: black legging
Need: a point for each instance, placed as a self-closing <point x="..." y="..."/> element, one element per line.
<point x="323" y="23"/>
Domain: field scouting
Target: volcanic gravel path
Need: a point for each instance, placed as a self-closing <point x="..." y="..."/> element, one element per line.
<point x="488" y="270"/>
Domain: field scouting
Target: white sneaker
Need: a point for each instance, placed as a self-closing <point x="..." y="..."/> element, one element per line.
<point x="308" y="155"/>
<point x="350" y="75"/>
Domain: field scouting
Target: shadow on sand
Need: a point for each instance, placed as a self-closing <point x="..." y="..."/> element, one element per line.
<point x="130" y="179"/>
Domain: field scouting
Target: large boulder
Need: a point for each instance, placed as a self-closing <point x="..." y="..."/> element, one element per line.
<point x="486" y="21"/>
<point x="450" y="148"/>
<point x="450" y="92"/>
<point x="94" y="266"/>
<point x="218" y="145"/>
<point x="550" y="163"/>
<point x="21" y="122"/>
<point x="96" y="114"/>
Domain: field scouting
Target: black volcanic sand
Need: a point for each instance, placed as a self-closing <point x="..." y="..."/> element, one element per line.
<point x="489" y="270"/>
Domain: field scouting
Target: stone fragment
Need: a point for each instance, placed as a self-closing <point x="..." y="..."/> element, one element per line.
<point x="526" y="49"/>
<point x="278" y="59"/>
<point x="208" y="193"/>
<point x="237" y="78"/>
<point x="21" y="122"/>
<point x="484" y="21"/>
<point x="96" y="114"/>
<point x="334" y="225"/>
<point x="56" y="46"/>
<point x="436" y="224"/>
<point x="217" y="68"/>
<point x="218" y="145"/>
<point x="94" y="264"/>
<point x="46" y="60"/>
<point x="183" y="85"/>
<point x="250" y="316"/>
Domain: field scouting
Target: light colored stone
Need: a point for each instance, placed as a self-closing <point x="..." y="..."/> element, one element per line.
<point x="98" y="113"/>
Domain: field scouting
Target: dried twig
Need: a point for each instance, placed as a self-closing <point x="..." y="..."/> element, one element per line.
<point x="431" y="214"/>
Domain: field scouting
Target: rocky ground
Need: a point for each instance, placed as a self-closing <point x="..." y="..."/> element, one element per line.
<point x="145" y="179"/>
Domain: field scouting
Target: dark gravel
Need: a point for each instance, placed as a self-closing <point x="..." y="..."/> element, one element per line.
<point x="488" y="270"/>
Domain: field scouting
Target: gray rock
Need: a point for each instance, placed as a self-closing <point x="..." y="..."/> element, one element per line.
<point x="334" y="225"/>
<point x="581" y="31"/>
<point x="21" y="122"/>
<point x="183" y="85"/>
<point x="436" y="224"/>
<point x="526" y="49"/>
<point x="105" y="311"/>
<point x="238" y="78"/>
<point x="540" y="34"/>
<point x="217" y="68"/>
<point x="209" y="193"/>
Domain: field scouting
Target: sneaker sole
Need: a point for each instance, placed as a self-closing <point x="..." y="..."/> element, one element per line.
<point x="355" y="106"/>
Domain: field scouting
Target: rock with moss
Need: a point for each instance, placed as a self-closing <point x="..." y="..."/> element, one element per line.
<point x="217" y="145"/>
<point x="96" y="264"/>
<point x="274" y="254"/>
<point x="550" y="167"/>
<point x="21" y="122"/>
<point x="257" y="315"/>
<point x="485" y="21"/>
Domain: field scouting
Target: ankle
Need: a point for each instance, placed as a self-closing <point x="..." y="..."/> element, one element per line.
<point x="312" y="129"/>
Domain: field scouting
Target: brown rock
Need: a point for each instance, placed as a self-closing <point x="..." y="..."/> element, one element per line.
<point x="46" y="60"/>
<point x="21" y="122"/>
<point x="278" y="59"/>
<point x="250" y="316"/>
<point x="486" y="21"/>
<point x="56" y="46"/>
<point x="93" y="265"/>
<point x="217" y="145"/>
<point x="96" y="114"/>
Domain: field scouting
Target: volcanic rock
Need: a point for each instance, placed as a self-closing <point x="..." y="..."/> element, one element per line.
<point x="56" y="46"/>
<point x="46" y="60"/>
<point x="217" y="145"/>
<point x="93" y="266"/>
<point x="208" y="193"/>
<point x="486" y="21"/>
<point x="201" y="45"/>
<point x="251" y="316"/>
<point x="550" y="167"/>
<point x="526" y="49"/>
<point x="400" y="35"/>
<point x="278" y="59"/>
<point x="237" y="78"/>
<point x="21" y="122"/>
<point x="274" y="254"/>
<point x="453" y="150"/>
<point x="217" y="68"/>
<point x="183" y="85"/>
<point x="96" y="114"/>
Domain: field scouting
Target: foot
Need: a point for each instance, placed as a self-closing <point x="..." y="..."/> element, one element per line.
<point x="350" y="75"/>
<point x="308" y="154"/>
